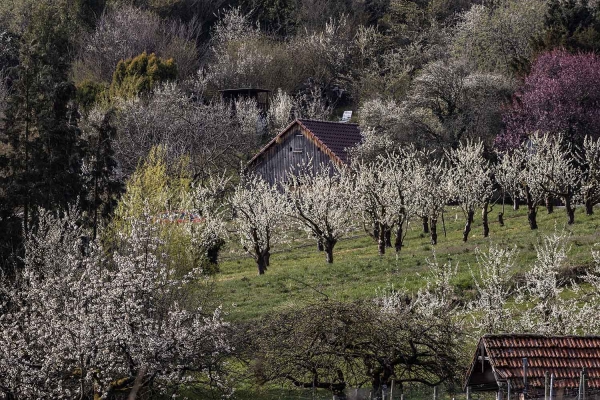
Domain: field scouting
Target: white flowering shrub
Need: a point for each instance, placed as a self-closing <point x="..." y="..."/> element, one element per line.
<point x="281" y="111"/>
<point x="437" y="298"/>
<point x="507" y="173"/>
<point x="548" y="312"/>
<point x="259" y="210"/>
<point x="495" y="286"/>
<point x="319" y="203"/>
<point x="470" y="181"/>
<point x="386" y="194"/>
<point x="432" y="190"/>
<point x="590" y="177"/>
<point x="79" y="323"/>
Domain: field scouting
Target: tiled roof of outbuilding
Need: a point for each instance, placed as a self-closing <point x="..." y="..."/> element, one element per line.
<point x="338" y="137"/>
<point x="563" y="356"/>
<point x="334" y="138"/>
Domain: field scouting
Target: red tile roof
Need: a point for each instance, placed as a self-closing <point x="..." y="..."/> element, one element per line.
<point x="563" y="356"/>
<point x="334" y="138"/>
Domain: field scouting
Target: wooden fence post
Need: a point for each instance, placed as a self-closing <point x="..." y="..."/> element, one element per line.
<point x="525" y="376"/>
<point x="546" y="384"/>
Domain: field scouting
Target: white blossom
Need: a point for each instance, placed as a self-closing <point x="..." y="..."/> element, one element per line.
<point x="319" y="203"/>
<point x="259" y="210"/>
<point x="77" y="322"/>
<point x="494" y="285"/>
<point x="590" y="177"/>
<point x="470" y="180"/>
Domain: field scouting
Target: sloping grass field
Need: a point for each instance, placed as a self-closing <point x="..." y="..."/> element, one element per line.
<point x="298" y="273"/>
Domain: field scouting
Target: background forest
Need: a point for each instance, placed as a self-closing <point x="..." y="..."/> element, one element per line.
<point x="125" y="212"/>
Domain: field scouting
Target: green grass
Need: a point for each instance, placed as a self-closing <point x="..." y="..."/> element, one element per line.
<point x="299" y="274"/>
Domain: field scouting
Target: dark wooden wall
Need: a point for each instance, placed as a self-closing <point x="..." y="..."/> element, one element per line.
<point x="294" y="149"/>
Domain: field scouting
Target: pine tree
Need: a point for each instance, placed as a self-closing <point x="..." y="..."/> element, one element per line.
<point x="102" y="183"/>
<point x="40" y="165"/>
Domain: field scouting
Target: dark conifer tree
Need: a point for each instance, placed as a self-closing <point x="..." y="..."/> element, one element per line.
<point x="570" y="24"/>
<point x="40" y="165"/>
<point x="103" y="185"/>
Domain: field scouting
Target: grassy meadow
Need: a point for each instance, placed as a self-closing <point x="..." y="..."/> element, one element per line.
<point x="299" y="274"/>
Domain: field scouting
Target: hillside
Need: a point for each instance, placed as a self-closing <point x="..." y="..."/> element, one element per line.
<point x="298" y="273"/>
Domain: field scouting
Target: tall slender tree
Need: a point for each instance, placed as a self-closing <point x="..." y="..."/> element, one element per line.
<point x="102" y="183"/>
<point x="41" y="163"/>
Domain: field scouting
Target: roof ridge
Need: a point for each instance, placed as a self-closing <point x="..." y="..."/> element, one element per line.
<point x="328" y="122"/>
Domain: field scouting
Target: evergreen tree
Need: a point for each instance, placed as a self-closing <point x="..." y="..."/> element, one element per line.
<point x="40" y="165"/>
<point x="572" y="25"/>
<point x="102" y="183"/>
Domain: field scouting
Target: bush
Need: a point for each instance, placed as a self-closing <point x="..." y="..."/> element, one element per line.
<point x="89" y="93"/>
<point x="140" y="74"/>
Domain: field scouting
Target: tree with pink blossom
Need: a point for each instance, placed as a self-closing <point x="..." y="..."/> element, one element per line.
<point x="560" y="95"/>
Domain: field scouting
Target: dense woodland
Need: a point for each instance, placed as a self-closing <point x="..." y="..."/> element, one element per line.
<point x="122" y="180"/>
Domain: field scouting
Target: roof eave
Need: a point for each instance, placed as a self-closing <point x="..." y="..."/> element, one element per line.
<point x="334" y="157"/>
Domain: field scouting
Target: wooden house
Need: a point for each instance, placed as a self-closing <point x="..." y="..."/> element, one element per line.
<point x="305" y="141"/>
<point x="536" y="366"/>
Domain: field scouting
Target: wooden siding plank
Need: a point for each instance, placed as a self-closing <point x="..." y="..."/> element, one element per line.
<point x="293" y="149"/>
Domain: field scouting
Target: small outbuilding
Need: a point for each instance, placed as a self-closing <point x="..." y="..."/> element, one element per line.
<point x="536" y="366"/>
<point x="305" y="141"/>
<point x="261" y="96"/>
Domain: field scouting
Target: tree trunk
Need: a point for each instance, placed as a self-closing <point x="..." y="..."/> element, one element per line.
<point x="549" y="204"/>
<point x="212" y="253"/>
<point x="398" y="241"/>
<point x="515" y="203"/>
<point x="381" y="239"/>
<point x="484" y="219"/>
<point x="589" y="206"/>
<point x="434" y="235"/>
<point x="531" y="210"/>
<point x="425" y="225"/>
<point x="261" y="264"/>
<point x="267" y="258"/>
<point x="329" y="245"/>
<point x="532" y="217"/>
<point x="467" y="229"/>
<point x="380" y="380"/>
<point x="570" y="210"/>
<point x="388" y="236"/>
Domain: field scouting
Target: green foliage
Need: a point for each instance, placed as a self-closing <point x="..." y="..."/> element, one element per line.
<point x="277" y="16"/>
<point x="154" y="189"/>
<point x="572" y="25"/>
<point x="140" y="74"/>
<point x="90" y="93"/>
<point x="43" y="149"/>
<point x="164" y="193"/>
<point x="497" y="36"/>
